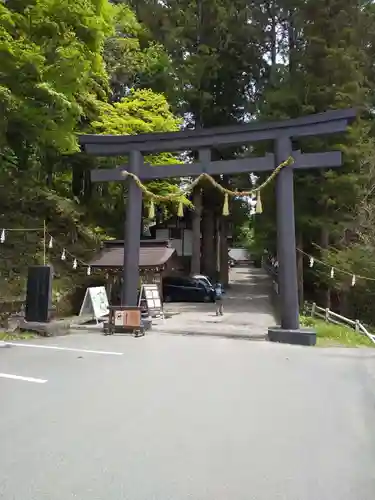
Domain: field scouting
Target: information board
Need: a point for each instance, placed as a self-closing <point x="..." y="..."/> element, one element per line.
<point x="95" y="303"/>
<point x="150" y="293"/>
<point x="127" y="318"/>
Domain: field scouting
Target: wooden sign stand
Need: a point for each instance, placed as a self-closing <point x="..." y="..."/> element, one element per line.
<point x="150" y="293"/>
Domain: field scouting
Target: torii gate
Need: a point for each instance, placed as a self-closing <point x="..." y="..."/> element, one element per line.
<point x="203" y="140"/>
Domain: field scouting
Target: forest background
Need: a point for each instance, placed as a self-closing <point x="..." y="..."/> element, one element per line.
<point x="125" y="67"/>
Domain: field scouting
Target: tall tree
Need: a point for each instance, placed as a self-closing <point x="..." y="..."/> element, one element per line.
<point x="52" y="71"/>
<point x="133" y="58"/>
<point x="320" y="67"/>
<point x="216" y="48"/>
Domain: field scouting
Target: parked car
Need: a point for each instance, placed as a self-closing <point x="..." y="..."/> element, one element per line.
<point x="183" y="289"/>
<point x="204" y="278"/>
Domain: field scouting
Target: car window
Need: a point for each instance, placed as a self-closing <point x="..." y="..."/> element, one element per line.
<point x="205" y="279"/>
<point x="172" y="280"/>
<point x="189" y="282"/>
<point x="201" y="284"/>
<point x="184" y="281"/>
<point x="177" y="281"/>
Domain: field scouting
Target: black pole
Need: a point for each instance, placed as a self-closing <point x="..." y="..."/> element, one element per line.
<point x="286" y="239"/>
<point x="132" y="234"/>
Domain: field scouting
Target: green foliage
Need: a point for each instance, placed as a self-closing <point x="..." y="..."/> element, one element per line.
<point x="61" y="62"/>
<point x="331" y="335"/>
<point x="141" y="112"/>
<point x="325" y="52"/>
<point x="51" y="78"/>
<point x="133" y="59"/>
<point x="216" y="50"/>
<point x="8" y="337"/>
<point x="26" y="206"/>
<point x="51" y="68"/>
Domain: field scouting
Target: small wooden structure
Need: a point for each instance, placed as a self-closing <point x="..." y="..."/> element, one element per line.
<point x="156" y="259"/>
<point x="179" y="231"/>
<point x="124" y="319"/>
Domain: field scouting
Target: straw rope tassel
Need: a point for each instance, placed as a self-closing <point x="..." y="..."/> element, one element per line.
<point x="151" y="210"/>
<point x="259" y="207"/>
<point x="226" y="205"/>
<point x="180" y="211"/>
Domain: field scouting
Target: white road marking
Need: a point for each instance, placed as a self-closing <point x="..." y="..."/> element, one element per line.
<point x="25" y="379"/>
<point x="57" y="348"/>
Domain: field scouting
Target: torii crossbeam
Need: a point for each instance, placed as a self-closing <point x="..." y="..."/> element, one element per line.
<point x="204" y="141"/>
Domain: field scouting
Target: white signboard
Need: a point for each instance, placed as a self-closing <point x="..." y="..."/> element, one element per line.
<point x="152" y="296"/>
<point x="95" y="303"/>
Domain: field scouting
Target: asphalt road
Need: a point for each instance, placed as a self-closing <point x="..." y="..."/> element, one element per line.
<point x="178" y="418"/>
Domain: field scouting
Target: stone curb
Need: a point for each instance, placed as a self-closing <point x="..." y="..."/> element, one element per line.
<point x="240" y="336"/>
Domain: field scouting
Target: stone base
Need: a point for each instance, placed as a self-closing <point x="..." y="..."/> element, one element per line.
<point x="302" y="336"/>
<point x="53" y="328"/>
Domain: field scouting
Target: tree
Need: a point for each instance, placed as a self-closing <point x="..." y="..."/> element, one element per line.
<point x="52" y="71"/>
<point x="216" y="50"/>
<point x="133" y="59"/>
<point x="142" y="111"/>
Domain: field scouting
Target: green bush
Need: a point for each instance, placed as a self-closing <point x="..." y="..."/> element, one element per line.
<point x="329" y="334"/>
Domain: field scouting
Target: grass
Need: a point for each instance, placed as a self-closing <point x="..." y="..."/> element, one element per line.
<point x="5" y="336"/>
<point x="331" y="335"/>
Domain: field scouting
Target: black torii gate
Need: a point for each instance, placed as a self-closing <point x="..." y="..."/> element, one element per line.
<point x="204" y="140"/>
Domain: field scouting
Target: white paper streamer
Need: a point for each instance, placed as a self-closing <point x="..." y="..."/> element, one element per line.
<point x="332" y="273"/>
<point x="353" y="280"/>
<point x="2" y="237"/>
<point x="311" y="263"/>
<point x="63" y="255"/>
<point x="75" y="264"/>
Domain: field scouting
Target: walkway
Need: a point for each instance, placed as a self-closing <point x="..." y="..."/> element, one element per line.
<point x="247" y="310"/>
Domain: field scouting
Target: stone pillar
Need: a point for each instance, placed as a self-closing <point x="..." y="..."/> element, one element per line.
<point x="132" y="234"/>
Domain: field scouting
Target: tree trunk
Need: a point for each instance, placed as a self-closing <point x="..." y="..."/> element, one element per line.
<point x="272" y="14"/>
<point x="291" y="41"/>
<point x="224" y="265"/>
<point x="196" y="232"/>
<point x="49" y="175"/>
<point x="300" y="271"/>
<point x="326" y="292"/>
<point x="344" y="303"/>
<point x="208" y="240"/>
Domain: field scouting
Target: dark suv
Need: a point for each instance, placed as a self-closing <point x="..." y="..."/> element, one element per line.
<point x="183" y="289"/>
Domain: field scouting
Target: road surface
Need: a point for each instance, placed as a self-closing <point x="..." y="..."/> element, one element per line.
<point x="169" y="417"/>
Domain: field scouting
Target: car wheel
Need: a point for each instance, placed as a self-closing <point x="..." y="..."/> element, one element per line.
<point x="167" y="298"/>
<point x="207" y="298"/>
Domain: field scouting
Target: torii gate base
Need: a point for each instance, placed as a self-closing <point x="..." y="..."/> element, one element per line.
<point x="202" y="141"/>
<point x="300" y="336"/>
